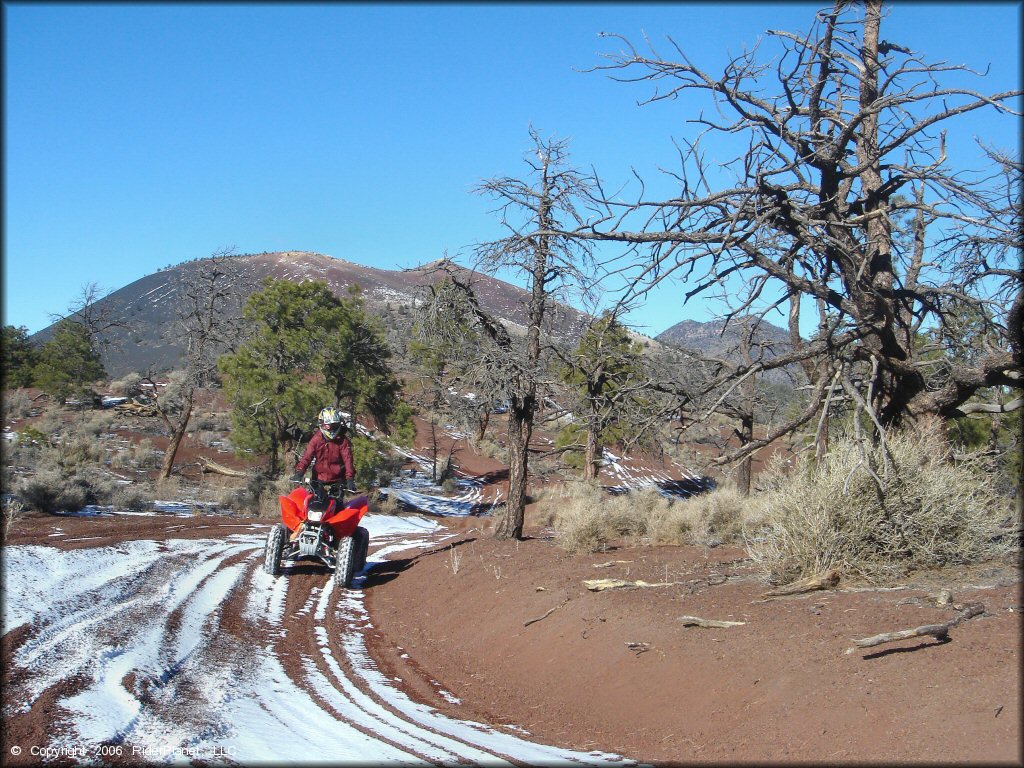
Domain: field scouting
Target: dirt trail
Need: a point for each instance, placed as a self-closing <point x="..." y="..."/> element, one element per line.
<point x="511" y="633"/>
<point x="162" y="633"/>
<point x="141" y="638"/>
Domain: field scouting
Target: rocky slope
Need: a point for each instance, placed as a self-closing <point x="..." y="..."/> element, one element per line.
<point x="146" y="309"/>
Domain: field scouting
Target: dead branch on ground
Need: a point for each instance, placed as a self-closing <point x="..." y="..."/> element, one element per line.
<point x="696" y="621"/>
<point x="599" y="585"/>
<point x="938" y="631"/>
<point x="208" y="465"/>
<point x="550" y="611"/>
<point x="826" y="580"/>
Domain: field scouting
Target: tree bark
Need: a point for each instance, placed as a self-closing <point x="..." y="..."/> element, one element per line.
<point x="746" y="434"/>
<point x="172" y="449"/>
<point x="520" y="429"/>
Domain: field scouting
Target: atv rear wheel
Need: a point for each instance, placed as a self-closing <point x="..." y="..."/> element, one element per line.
<point x="273" y="549"/>
<point x="344" y="564"/>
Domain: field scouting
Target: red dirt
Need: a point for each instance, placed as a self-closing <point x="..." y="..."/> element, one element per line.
<point x="509" y="629"/>
<point x="779" y="688"/>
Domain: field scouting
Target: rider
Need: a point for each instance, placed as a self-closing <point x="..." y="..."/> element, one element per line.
<point x="330" y="451"/>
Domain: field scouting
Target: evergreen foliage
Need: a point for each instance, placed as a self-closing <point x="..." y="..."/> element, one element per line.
<point x="69" y="363"/>
<point x="306" y="348"/>
<point x="19" y="358"/>
<point x="606" y="373"/>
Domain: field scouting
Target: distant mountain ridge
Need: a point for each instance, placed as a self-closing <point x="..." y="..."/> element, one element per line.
<point x="147" y="307"/>
<point x="715" y="339"/>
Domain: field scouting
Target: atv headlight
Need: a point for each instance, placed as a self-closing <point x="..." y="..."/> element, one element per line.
<point x="315" y="515"/>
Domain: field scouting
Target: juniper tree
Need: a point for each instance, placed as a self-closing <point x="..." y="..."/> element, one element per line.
<point x="305" y="348"/>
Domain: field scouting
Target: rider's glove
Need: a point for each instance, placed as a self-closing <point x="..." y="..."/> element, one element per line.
<point x="351" y="485"/>
<point x="297" y="477"/>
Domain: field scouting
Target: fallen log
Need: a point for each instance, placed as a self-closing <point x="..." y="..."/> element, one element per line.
<point x="938" y="631"/>
<point x="599" y="585"/>
<point x="697" y="621"/>
<point x="208" y="465"/>
<point x="826" y="580"/>
<point x="134" y="409"/>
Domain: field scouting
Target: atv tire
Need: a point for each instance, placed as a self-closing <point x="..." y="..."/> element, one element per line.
<point x="362" y="539"/>
<point x="345" y="561"/>
<point x="273" y="549"/>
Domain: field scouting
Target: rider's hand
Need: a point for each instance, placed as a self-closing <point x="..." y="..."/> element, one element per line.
<point x="351" y="486"/>
<point x="297" y="477"/>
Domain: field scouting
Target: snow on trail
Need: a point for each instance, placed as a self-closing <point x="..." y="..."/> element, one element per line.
<point x="135" y="642"/>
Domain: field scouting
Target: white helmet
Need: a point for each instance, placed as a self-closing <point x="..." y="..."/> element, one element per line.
<point x="330" y="423"/>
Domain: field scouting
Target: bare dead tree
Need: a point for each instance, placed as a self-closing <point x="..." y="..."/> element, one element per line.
<point x="740" y="399"/>
<point x="94" y="315"/>
<point x="839" y="136"/>
<point x="208" y="321"/>
<point x="533" y="212"/>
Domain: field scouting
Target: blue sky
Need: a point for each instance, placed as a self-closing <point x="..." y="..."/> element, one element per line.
<point x="138" y="136"/>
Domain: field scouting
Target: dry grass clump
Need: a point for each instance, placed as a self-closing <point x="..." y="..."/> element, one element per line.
<point x="586" y="519"/>
<point x="876" y="515"/>
<point x="258" y="496"/>
<point x="16" y="404"/>
<point x="96" y="423"/>
<point x="384" y="504"/>
<point x="134" y="497"/>
<point x="51" y="489"/>
<point x="711" y="518"/>
<point x="11" y="509"/>
<point x="210" y="421"/>
<point x="74" y="451"/>
<point x="140" y="455"/>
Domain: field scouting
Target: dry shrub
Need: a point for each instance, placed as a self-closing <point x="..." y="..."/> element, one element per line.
<point x="53" y="490"/>
<point x="576" y="515"/>
<point x="491" y="449"/>
<point x="49" y="423"/>
<point x="17" y="404"/>
<point x="258" y="496"/>
<point x="75" y="451"/>
<point x="269" y="503"/>
<point x="141" y="455"/>
<point x="96" y="423"/>
<point x="384" y="504"/>
<point x="145" y="455"/>
<point x="585" y="518"/>
<point x="210" y="421"/>
<point x="710" y="518"/>
<point x="126" y="387"/>
<point x="133" y="497"/>
<point x="12" y="509"/>
<point x="878" y="516"/>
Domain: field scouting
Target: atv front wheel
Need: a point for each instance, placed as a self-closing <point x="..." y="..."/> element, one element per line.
<point x="345" y="562"/>
<point x="273" y="549"/>
<point x="362" y="539"/>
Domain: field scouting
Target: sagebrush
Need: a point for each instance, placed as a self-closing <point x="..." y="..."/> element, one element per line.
<point x="878" y="511"/>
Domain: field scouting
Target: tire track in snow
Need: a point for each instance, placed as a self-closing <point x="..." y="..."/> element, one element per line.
<point x="188" y="644"/>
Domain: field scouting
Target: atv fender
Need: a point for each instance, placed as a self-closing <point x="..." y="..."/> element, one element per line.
<point x="345" y="520"/>
<point x="293" y="507"/>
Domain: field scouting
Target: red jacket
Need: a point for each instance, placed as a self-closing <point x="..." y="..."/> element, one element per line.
<point x="333" y="458"/>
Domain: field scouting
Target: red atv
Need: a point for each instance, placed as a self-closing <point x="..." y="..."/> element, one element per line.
<point x="321" y="528"/>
